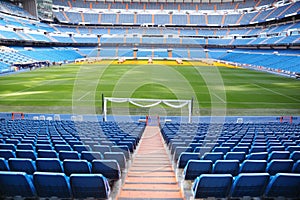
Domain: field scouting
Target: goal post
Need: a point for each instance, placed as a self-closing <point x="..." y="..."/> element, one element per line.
<point x="174" y="103"/>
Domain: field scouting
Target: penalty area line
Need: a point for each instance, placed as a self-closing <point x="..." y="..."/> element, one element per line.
<point x="83" y="96"/>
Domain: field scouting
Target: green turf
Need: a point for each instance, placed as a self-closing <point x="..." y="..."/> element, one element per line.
<point x="216" y="90"/>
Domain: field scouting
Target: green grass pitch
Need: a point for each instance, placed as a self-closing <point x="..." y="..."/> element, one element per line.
<point x="77" y="88"/>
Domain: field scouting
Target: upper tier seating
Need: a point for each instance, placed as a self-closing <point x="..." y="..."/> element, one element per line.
<point x="193" y="17"/>
<point x="165" y="6"/>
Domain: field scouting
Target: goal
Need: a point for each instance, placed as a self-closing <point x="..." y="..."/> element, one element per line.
<point x="148" y="103"/>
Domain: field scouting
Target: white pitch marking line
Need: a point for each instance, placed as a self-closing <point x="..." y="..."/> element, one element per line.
<point x="292" y="98"/>
<point x="86" y="94"/>
<point x="219" y="97"/>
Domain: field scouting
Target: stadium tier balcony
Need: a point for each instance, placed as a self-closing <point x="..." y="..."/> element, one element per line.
<point x="164" y="6"/>
<point x="12" y="9"/>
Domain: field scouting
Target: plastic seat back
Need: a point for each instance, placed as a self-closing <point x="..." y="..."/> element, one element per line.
<point x="91" y="155"/>
<point x="76" y="167"/>
<point x="280" y="166"/>
<point x="108" y="168"/>
<point x="52" y="185"/>
<point x="185" y="157"/>
<point x="7" y="154"/>
<point x="253" y="166"/>
<point x="26" y="154"/>
<point x="4" y="165"/>
<point x="48" y="165"/>
<point x="212" y="185"/>
<point x="284" y="185"/>
<point x="63" y="155"/>
<point x="226" y="167"/>
<point x="89" y="186"/>
<point x="249" y="184"/>
<point x="22" y="165"/>
<point x="16" y="184"/>
<point x="195" y="168"/>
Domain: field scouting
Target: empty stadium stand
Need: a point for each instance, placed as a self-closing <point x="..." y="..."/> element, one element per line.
<point x="234" y="176"/>
<point x="222" y="168"/>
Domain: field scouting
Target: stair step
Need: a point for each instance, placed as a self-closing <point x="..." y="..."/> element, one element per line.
<point x="151" y="174"/>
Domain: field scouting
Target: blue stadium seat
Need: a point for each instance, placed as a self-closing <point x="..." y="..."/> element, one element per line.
<point x="295" y="156"/>
<point x="91" y="155"/>
<point x="240" y="156"/>
<point x="129" y="144"/>
<point x="3" y="165"/>
<point x="81" y="148"/>
<point x="240" y="149"/>
<point x="68" y="155"/>
<point x="22" y="146"/>
<point x="257" y="156"/>
<point x="118" y="156"/>
<point x="7" y="154"/>
<point x="185" y="157"/>
<point x="76" y="167"/>
<point x="108" y="168"/>
<point x="212" y="185"/>
<point x="43" y="141"/>
<point x="231" y="145"/>
<point x="202" y="150"/>
<point x="284" y="185"/>
<point x="280" y="166"/>
<point x="43" y="147"/>
<point x="73" y="142"/>
<point x="121" y="148"/>
<point x="253" y="166"/>
<point x="22" y="165"/>
<point x="291" y="149"/>
<point x="179" y="150"/>
<point x="16" y="184"/>
<point x="213" y="156"/>
<point x="12" y="141"/>
<point x="279" y="155"/>
<point x="8" y="147"/>
<point x="276" y="148"/>
<point x="173" y="146"/>
<point x="223" y="150"/>
<point x="49" y="185"/>
<point x="256" y="149"/>
<point x="296" y="167"/>
<point x="249" y="184"/>
<point x="26" y="154"/>
<point x="48" y="165"/>
<point x="47" y="154"/>
<point x="108" y="143"/>
<point x="62" y="147"/>
<point x="89" y="185"/>
<point x="226" y="167"/>
<point x="101" y="148"/>
<point x="195" y="168"/>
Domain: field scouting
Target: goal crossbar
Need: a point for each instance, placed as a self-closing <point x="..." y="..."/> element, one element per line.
<point x="152" y="102"/>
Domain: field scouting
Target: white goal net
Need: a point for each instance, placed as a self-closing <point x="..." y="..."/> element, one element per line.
<point x="148" y="103"/>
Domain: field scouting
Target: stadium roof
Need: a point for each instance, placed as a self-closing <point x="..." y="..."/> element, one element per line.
<point x="169" y="1"/>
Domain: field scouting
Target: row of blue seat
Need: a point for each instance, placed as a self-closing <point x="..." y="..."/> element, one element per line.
<point x="63" y="147"/>
<point x="47" y="185"/>
<point x="97" y="149"/>
<point x="247" y="185"/>
<point x="195" y="168"/>
<point x="63" y="155"/>
<point x="259" y="152"/>
<point x="239" y="156"/>
<point x="108" y="168"/>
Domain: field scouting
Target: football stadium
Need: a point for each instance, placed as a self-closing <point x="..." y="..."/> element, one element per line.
<point x="150" y="99"/>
